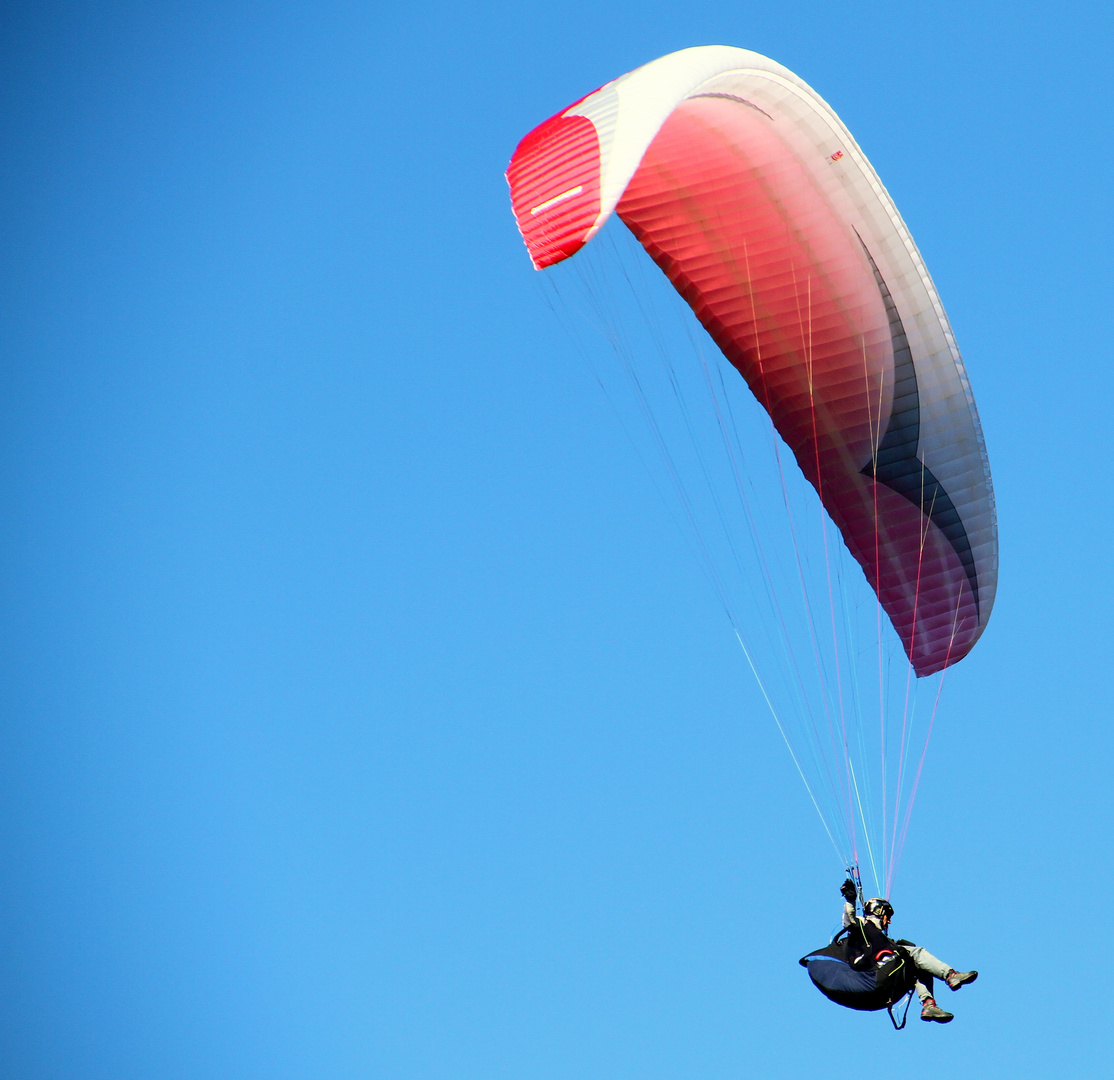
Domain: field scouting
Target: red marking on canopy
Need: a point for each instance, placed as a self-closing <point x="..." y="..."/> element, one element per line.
<point x="556" y="158"/>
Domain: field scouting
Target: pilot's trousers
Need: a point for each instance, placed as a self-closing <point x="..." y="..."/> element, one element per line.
<point x="927" y="966"/>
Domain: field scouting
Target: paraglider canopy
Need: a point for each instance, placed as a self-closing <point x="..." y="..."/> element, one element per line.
<point x="746" y="189"/>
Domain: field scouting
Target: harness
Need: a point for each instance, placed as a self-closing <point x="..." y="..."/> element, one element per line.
<point x="881" y="985"/>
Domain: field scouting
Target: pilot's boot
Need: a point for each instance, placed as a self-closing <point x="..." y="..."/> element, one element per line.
<point x="931" y="1011"/>
<point x="955" y="979"/>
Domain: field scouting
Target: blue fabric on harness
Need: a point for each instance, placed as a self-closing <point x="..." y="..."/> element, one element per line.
<point x="838" y="976"/>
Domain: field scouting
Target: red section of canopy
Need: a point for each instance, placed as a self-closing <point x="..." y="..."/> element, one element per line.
<point x="555" y="187"/>
<point x="782" y="284"/>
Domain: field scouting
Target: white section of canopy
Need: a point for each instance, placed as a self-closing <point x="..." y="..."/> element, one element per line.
<point x="628" y="111"/>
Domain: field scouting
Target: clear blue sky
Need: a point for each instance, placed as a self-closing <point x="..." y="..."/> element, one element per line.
<point x="363" y="714"/>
